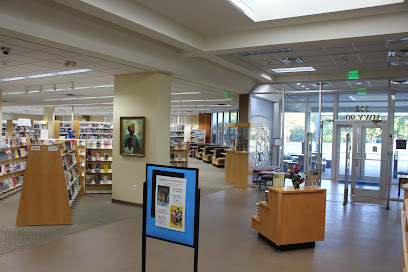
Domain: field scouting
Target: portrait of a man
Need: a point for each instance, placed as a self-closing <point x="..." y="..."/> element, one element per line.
<point x="132" y="136"/>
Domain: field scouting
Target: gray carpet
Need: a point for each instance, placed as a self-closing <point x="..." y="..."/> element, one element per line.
<point x="89" y="211"/>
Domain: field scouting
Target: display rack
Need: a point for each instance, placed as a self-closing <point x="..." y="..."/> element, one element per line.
<point x="13" y="155"/>
<point x="66" y="129"/>
<point x="95" y="130"/>
<point x="81" y="145"/>
<point x="176" y="134"/>
<point x="4" y="128"/>
<point x="192" y="134"/>
<point x="51" y="185"/>
<point x="179" y="155"/>
<point x="99" y="166"/>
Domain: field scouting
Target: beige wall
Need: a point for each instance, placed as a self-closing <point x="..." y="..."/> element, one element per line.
<point x="195" y="120"/>
<point x="97" y="118"/>
<point x="141" y="94"/>
<point x="28" y="116"/>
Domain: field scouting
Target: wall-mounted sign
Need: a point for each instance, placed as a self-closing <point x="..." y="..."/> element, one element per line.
<point x="353" y="75"/>
<point x="227" y="95"/>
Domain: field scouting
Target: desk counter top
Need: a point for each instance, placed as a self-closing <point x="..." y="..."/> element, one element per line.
<point x="290" y="190"/>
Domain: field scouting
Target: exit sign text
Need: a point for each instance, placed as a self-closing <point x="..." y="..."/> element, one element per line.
<point x="353" y="75"/>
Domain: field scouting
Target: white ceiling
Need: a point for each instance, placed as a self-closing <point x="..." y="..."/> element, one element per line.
<point x="27" y="58"/>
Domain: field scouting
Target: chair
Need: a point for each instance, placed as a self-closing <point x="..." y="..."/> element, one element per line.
<point x="218" y="159"/>
<point x="192" y="150"/>
<point x="207" y="154"/>
<point x="313" y="177"/>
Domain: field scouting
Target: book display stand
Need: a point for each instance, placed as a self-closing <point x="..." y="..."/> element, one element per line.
<point x="51" y="185"/>
<point x="13" y="155"/>
<point x="99" y="166"/>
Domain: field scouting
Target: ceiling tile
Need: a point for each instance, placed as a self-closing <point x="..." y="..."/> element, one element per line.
<point x="41" y="55"/>
<point x="25" y="44"/>
<point x="340" y="50"/>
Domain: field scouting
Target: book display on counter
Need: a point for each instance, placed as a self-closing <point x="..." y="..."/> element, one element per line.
<point x="98" y="166"/>
<point x="13" y="155"/>
<point x="95" y="130"/>
<point x="51" y="185"/>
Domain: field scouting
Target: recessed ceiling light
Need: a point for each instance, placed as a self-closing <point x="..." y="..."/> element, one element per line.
<point x="359" y="83"/>
<point x="46" y="75"/>
<point x="185" y="93"/>
<point x="294" y="70"/>
<point x="298" y="84"/>
<point x="307" y="88"/>
<point x="267" y="51"/>
<point x="303" y="86"/>
<point x="241" y="5"/>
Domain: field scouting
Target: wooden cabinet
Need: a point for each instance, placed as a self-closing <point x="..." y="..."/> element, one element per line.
<point x="292" y="216"/>
<point x="238" y="168"/>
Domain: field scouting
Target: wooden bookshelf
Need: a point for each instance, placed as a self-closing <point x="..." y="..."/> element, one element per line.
<point x="44" y="198"/>
<point x="179" y="156"/>
<point x="12" y="181"/>
<point x="98" y="156"/>
<point x="292" y="216"/>
<point x="95" y="130"/>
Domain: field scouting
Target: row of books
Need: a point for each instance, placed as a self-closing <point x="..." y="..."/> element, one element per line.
<point x="12" y="167"/>
<point x="93" y="130"/>
<point x="177" y="128"/>
<point x="98" y="179"/>
<point x="12" y="142"/>
<point x="71" y="177"/>
<point x="10" y="183"/>
<point x="65" y="124"/>
<point x="95" y="136"/>
<point x="98" y="156"/>
<point x="97" y="168"/>
<point x="106" y="144"/>
<point x="68" y="161"/>
<point x="95" y="125"/>
<point x="9" y="154"/>
<point x="67" y="146"/>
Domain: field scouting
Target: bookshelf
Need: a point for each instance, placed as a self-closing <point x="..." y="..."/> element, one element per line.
<point x="37" y="127"/>
<point x="64" y="128"/>
<point x="179" y="155"/>
<point x="176" y="134"/>
<point x="13" y="160"/>
<point x="95" y="130"/>
<point x="51" y="185"/>
<point x="99" y="166"/>
<point x="81" y="145"/>
<point x="4" y="128"/>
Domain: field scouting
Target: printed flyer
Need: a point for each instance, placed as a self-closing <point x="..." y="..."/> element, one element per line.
<point x="170" y="202"/>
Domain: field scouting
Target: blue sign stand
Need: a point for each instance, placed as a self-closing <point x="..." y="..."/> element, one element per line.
<point x="189" y="237"/>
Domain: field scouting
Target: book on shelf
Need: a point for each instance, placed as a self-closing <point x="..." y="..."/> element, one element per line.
<point x="98" y="156"/>
<point x="97" y="179"/>
<point x="106" y="168"/>
<point x="1" y="156"/>
<point x="105" y="179"/>
<point x="6" y="169"/>
<point x="88" y="179"/>
<point x="97" y="168"/>
<point x="106" y="156"/>
<point x="8" y="155"/>
<point x="16" y="154"/>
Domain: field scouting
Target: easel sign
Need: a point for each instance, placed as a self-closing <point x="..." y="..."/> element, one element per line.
<point x="171" y="207"/>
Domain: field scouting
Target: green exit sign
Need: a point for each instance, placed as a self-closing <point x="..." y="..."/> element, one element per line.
<point x="227" y="95"/>
<point x="353" y="75"/>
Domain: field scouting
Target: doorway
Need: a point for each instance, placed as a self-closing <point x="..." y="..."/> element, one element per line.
<point x="369" y="157"/>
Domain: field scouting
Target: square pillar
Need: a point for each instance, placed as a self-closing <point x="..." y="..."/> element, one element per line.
<point x="49" y="116"/>
<point x="140" y="95"/>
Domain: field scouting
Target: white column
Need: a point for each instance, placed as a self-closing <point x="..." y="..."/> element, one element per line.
<point x="49" y="116"/>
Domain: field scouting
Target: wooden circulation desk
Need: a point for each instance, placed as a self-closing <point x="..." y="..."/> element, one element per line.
<point x="292" y="216"/>
<point x="238" y="168"/>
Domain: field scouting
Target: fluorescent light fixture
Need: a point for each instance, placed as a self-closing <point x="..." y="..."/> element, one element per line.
<point x="294" y="70"/>
<point x="75" y="98"/>
<point x="359" y="83"/>
<point x="185" y="93"/>
<point x="352" y="98"/>
<point x="398" y="63"/>
<point x="298" y="84"/>
<point x="303" y="86"/>
<point x="398" y="82"/>
<point x="200" y="100"/>
<point x="239" y="4"/>
<point x="46" y="75"/>
<point x="267" y="51"/>
<point x="192" y="109"/>
<point x="398" y="40"/>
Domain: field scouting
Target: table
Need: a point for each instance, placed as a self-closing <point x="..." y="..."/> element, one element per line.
<point x="223" y="153"/>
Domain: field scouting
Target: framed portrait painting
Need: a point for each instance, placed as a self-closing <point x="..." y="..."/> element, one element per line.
<point x="132" y="136"/>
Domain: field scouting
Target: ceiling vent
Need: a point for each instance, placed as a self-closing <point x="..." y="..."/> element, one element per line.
<point x="398" y="63"/>
<point x="324" y="84"/>
<point x="292" y="60"/>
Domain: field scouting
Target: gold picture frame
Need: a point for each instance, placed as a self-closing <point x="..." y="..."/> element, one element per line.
<point x="132" y="136"/>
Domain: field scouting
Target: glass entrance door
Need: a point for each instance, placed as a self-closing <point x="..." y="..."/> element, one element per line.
<point x="369" y="159"/>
